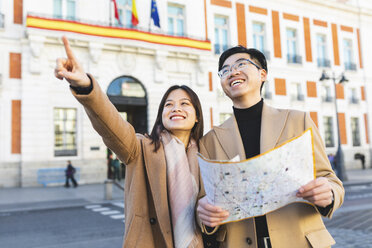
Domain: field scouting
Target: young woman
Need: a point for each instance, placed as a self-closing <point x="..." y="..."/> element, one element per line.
<point x="162" y="174"/>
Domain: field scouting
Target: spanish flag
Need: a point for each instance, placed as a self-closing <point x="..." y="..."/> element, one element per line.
<point x="134" y="13"/>
<point x="116" y="11"/>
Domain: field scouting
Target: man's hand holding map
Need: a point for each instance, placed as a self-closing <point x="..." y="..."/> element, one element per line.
<point x="263" y="183"/>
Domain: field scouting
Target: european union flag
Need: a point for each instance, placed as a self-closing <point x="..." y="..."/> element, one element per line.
<point x="154" y="13"/>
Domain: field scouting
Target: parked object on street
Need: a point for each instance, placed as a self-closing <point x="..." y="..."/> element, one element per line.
<point x="362" y="159"/>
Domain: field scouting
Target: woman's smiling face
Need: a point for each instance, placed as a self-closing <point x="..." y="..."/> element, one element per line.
<point x="179" y="114"/>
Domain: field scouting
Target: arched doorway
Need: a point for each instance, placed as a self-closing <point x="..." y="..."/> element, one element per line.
<point x="129" y="97"/>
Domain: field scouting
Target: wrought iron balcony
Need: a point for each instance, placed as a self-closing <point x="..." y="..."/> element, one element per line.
<point x="2" y="20"/>
<point x="350" y="66"/>
<point x="322" y="62"/>
<point x="267" y="54"/>
<point x="327" y="98"/>
<point x="108" y="29"/>
<point x="354" y="100"/>
<point x="219" y="48"/>
<point x="268" y="95"/>
<point x="298" y="97"/>
<point x="294" y="59"/>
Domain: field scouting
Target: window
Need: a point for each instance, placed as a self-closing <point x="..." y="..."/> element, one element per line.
<point x="176" y="22"/>
<point x="328" y="131"/>
<point x="321" y="43"/>
<point x="326" y="94"/>
<point x="292" y="47"/>
<point x="355" y="131"/>
<point x="2" y="20"/>
<point x="297" y="94"/>
<point x="65" y="132"/>
<point x="221" y="34"/>
<point x="125" y="13"/>
<point x="348" y="55"/>
<point x="57" y="8"/>
<point x="266" y="91"/>
<point x="2" y="16"/>
<point x="71" y="9"/>
<point x="224" y="117"/>
<point x="353" y="98"/>
<point x="64" y="9"/>
<point x="126" y="86"/>
<point x="259" y="38"/>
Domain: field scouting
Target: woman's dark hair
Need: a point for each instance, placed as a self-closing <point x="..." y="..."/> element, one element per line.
<point x="196" y="131"/>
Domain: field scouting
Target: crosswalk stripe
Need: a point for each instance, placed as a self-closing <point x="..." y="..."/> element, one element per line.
<point x="119" y="216"/>
<point x="93" y="206"/>
<point x="100" y="209"/>
<point x="118" y="204"/>
<point x="110" y="212"/>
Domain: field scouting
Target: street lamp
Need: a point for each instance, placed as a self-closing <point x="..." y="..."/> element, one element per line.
<point x="341" y="174"/>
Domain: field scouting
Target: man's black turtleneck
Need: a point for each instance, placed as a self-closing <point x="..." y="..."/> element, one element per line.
<point x="249" y="124"/>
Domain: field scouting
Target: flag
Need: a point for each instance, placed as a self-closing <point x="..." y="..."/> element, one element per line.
<point x="116" y="11"/>
<point x="154" y="13"/>
<point x="134" y="13"/>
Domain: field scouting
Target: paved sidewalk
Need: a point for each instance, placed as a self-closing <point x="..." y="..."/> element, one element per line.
<point x="18" y="199"/>
<point x="358" y="176"/>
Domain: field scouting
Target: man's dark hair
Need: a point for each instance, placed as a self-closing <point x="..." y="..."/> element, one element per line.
<point x="256" y="55"/>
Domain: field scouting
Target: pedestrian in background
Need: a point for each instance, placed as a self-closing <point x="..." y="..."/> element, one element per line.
<point x="331" y="158"/>
<point x="110" y="169"/>
<point x="70" y="171"/>
<point x="162" y="174"/>
<point x="116" y="168"/>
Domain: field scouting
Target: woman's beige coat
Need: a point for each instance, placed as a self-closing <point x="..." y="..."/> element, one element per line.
<point x="147" y="215"/>
<point x="297" y="225"/>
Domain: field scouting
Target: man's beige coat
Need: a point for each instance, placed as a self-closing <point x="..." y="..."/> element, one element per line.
<point x="147" y="215"/>
<point x="297" y="225"/>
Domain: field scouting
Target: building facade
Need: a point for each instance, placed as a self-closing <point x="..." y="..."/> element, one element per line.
<point x="42" y="125"/>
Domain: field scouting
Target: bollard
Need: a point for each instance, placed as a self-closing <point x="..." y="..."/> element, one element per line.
<point x="108" y="189"/>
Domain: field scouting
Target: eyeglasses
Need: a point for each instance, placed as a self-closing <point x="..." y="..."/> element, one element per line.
<point x="238" y="66"/>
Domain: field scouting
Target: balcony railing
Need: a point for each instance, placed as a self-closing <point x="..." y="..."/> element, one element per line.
<point x="322" y="62"/>
<point x="70" y="17"/>
<point x="219" y="48"/>
<point x="2" y="20"/>
<point x="106" y="29"/>
<point x="327" y="98"/>
<point x="268" y="95"/>
<point x="298" y="97"/>
<point x="354" y="100"/>
<point x="294" y="59"/>
<point x="267" y="54"/>
<point x="350" y="66"/>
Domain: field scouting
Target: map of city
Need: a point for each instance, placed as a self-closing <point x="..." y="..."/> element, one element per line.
<point x="261" y="184"/>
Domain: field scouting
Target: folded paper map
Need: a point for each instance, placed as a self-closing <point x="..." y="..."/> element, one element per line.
<point x="261" y="184"/>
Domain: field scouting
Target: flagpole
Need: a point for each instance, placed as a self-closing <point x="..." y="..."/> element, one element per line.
<point x="150" y="17"/>
<point x="110" y="7"/>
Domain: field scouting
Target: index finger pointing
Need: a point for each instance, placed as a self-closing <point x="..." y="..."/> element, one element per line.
<point x="68" y="50"/>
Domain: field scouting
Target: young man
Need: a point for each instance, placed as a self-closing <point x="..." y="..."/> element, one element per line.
<point x="256" y="128"/>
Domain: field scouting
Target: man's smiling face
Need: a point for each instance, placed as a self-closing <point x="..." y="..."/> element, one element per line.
<point x="244" y="82"/>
